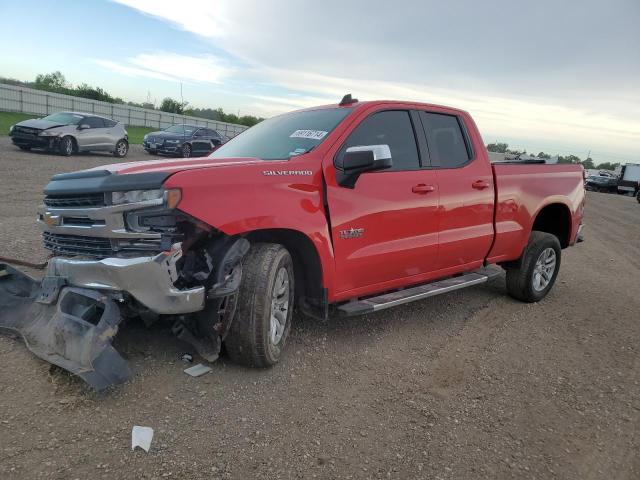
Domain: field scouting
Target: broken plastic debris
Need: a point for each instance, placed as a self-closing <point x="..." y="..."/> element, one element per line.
<point x="197" y="370"/>
<point x="141" y="437"/>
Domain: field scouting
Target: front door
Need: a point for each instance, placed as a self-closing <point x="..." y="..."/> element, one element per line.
<point x="92" y="135"/>
<point x="385" y="228"/>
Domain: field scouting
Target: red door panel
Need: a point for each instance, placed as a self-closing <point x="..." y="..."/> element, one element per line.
<point x="465" y="184"/>
<point x="399" y="228"/>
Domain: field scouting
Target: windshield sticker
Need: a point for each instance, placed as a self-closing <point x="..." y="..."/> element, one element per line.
<point x="312" y="134"/>
<point x="297" y="151"/>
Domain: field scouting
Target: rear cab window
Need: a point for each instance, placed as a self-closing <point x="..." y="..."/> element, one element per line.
<point x="446" y="141"/>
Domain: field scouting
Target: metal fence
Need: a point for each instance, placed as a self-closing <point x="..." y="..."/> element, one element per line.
<point x="39" y="102"/>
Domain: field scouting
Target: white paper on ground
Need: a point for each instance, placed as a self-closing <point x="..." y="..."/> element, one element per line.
<point x="141" y="437"/>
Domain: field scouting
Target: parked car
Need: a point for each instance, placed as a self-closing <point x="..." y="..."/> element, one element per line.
<point x="71" y="132"/>
<point x="184" y="141"/>
<point x="349" y="208"/>
<point x="599" y="183"/>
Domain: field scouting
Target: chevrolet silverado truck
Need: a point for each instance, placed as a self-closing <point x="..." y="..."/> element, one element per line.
<point x="342" y="209"/>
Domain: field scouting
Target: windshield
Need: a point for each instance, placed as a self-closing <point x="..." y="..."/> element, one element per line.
<point x="64" y="118"/>
<point x="180" y="129"/>
<point x="284" y="136"/>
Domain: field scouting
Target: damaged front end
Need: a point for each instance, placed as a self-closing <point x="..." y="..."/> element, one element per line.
<point x="120" y="253"/>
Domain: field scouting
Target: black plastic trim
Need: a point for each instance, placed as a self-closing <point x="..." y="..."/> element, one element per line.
<point x="98" y="181"/>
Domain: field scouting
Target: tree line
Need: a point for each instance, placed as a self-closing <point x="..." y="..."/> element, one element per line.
<point x="57" y="83"/>
<point x="587" y="163"/>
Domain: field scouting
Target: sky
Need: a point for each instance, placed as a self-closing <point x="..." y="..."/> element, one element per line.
<point x="560" y="76"/>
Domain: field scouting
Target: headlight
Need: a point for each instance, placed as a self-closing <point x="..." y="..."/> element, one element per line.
<point x="172" y="141"/>
<point x="145" y="136"/>
<point x="11" y="128"/>
<point x="47" y="133"/>
<point x="135" y="196"/>
<point x="171" y="197"/>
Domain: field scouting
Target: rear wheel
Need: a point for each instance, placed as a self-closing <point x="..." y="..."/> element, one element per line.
<point x="66" y="146"/>
<point x="263" y="314"/>
<point x="538" y="269"/>
<point x="122" y="147"/>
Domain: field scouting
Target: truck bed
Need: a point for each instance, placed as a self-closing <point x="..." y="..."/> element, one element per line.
<point x="522" y="190"/>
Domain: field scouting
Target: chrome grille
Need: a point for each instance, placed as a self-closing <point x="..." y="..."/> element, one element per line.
<point x="74" y="201"/>
<point x="77" y="245"/>
<point x="97" y="247"/>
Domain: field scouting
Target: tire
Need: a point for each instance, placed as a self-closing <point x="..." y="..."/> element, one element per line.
<point x="638" y="196"/>
<point x="121" y="149"/>
<point x="186" y="150"/>
<point x="267" y="275"/>
<point x="527" y="283"/>
<point x="26" y="148"/>
<point x="65" y="148"/>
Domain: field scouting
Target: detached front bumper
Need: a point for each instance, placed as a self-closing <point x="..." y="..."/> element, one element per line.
<point x="150" y="280"/>
<point x="69" y="327"/>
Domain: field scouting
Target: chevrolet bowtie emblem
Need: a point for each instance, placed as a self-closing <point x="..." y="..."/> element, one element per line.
<point x="51" y="220"/>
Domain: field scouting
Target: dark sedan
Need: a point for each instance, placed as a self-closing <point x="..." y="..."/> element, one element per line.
<point x="183" y="141"/>
<point x="598" y="183"/>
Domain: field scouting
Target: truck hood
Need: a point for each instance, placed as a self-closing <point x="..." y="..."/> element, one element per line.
<point x="132" y="176"/>
<point x="175" y="165"/>
<point x="39" y="124"/>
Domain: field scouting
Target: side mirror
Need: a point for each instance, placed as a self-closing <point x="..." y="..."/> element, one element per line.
<point x="83" y="126"/>
<point x="358" y="160"/>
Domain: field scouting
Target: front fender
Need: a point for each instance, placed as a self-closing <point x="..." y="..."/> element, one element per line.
<point x="265" y="195"/>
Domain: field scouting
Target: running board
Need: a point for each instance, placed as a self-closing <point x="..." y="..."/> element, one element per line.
<point x="388" y="300"/>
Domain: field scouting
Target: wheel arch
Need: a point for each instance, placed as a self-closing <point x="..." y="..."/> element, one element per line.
<point x="311" y="294"/>
<point x="554" y="218"/>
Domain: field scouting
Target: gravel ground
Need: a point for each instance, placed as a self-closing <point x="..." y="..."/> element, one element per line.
<point x="464" y="386"/>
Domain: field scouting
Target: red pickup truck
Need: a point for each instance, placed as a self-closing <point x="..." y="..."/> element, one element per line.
<point x="347" y="208"/>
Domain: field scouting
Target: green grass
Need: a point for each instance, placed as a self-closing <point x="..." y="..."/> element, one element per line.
<point x="9" y="118"/>
<point x="136" y="133"/>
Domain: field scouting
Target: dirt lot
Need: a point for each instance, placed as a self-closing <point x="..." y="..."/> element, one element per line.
<point x="464" y="386"/>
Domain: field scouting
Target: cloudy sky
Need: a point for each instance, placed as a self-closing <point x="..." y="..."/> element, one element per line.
<point x="559" y="76"/>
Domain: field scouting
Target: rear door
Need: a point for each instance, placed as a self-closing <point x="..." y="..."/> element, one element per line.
<point x="385" y="228"/>
<point x="466" y="188"/>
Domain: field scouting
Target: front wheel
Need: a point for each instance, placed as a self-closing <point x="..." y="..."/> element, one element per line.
<point x="66" y="146"/>
<point x="538" y="269"/>
<point x="263" y="314"/>
<point x="122" y="148"/>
